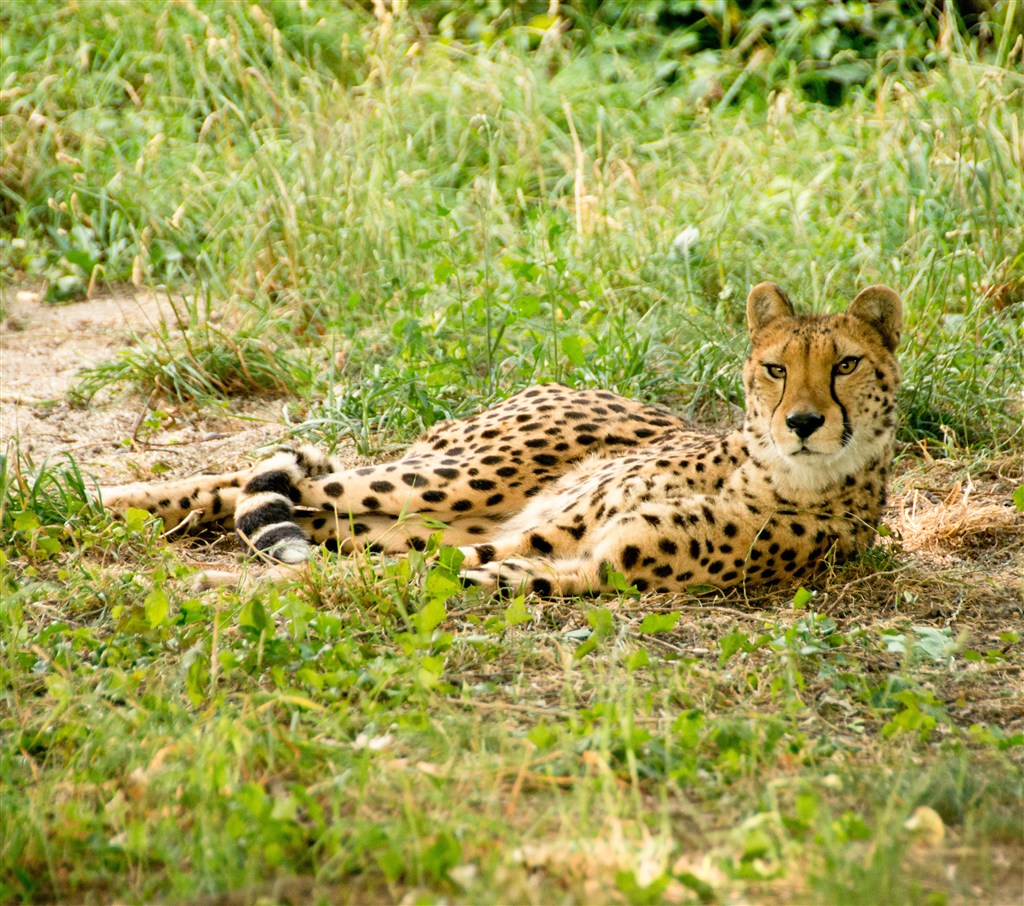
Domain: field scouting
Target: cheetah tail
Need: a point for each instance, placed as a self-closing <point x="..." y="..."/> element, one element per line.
<point x="264" y="513"/>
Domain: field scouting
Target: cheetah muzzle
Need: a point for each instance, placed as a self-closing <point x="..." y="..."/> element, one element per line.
<point x="566" y="492"/>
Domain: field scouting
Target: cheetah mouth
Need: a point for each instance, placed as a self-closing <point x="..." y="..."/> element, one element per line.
<point x="804" y="452"/>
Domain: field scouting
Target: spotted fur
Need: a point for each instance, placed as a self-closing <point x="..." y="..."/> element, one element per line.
<point x="561" y="491"/>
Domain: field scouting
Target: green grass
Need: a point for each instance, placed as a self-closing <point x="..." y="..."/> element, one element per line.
<point x="204" y="147"/>
<point x="401" y="221"/>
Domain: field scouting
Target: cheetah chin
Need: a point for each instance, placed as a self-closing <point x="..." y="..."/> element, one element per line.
<point x="567" y="492"/>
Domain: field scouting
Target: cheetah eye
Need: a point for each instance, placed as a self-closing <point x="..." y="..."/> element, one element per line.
<point x="777" y="372"/>
<point x="847" y="365"/>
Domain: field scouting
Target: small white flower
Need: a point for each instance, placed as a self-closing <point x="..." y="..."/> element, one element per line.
<point x="372" y="743"/>
<point x="686" y="240"/>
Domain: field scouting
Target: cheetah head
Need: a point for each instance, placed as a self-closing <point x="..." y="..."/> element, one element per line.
<point x="820" y="388"/>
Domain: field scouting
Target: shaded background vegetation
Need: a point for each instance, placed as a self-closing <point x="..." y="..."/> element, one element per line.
<point x="505" y="181"/>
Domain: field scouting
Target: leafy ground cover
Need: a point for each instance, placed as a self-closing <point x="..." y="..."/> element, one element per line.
<point x="346" y="223"/>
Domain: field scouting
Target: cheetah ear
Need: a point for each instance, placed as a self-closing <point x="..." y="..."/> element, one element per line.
<point x="882" y="309"/>
<point x="765" y="303"/>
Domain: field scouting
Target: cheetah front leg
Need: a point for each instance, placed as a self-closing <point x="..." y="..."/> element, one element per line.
<point x="565" y="578"/>
<point x="662" y="547"/>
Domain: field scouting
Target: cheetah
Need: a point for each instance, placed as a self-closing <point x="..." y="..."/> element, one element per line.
<point x="560" y="492"/>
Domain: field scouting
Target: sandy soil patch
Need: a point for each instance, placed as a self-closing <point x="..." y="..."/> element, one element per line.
<point x="42" y="349"/>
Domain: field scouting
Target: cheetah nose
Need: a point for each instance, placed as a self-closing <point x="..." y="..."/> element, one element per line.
<point x="804" y="424"/>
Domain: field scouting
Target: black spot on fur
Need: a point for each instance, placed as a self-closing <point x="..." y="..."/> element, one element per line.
<point x="630" y="555"/>
<point x="381" y="487"/>
<point x="541" y="587"/>
<point x="541" y="544"/>
<point x="615" y="440"/>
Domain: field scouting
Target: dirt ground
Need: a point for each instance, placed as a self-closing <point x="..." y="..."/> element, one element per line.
<point x="962" y="540"/>
<point x="42" y="349"/>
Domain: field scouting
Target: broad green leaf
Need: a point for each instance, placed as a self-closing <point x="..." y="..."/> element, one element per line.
<point x="431" y="615"/>
<point x="135" y="518"/>
<point x="26" y="521"/>
<point x="450" y="559"/>
<point x="157" y="607"/>
<point x="197" y="680"/>
<point x="516" y="612"/>
<point x="573" y="349"/>
<point x="934" y="644"/>
<point x="441" y="583"/>
<point x="638" y="659"/>
<point x="601" y="621"/>
<point x="49" y="545"/>
<point x="527" y="306"/>
<point x="659" y="622"/>
<point x="730" y="644"/>
<point x="542" y="736"/>
<point x="600" y="618"/>
<point x="253" y="615"/>
<point x="433" y="663"/>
